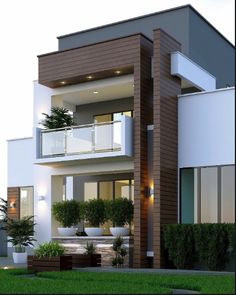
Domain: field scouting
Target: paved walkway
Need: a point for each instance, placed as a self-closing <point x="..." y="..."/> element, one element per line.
<point x="8" y="262"/>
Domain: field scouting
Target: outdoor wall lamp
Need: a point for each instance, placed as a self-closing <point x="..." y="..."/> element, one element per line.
<point x="41" y="198"/>
<point x="12" y="205"/>
<point x="149" y="192"/>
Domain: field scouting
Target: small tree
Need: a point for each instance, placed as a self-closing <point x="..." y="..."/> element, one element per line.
<point x="66" y="212"/>
<point x="120" y="211"/>
<point x="94" y="212"/>
<point x="59" y="118"/>
<point x="90" y="249"/>
<point x="120" y="251"/>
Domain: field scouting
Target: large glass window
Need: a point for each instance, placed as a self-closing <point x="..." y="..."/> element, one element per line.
<point x="90" y="191"/>
<point x="26" y="201"/>
<point x="106" y="190"/>
<point x="208" y="194"/>
<point x="122" y="189"/>
<point x="228" y="194"/>
<point x="112" y="116"/>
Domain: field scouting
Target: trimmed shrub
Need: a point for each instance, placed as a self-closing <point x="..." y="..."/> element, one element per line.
<point x="208" y="244"/>
<point x="179" y="240"/>
<point x="212" y="245"/>
<point x="66" y="212"/>
<point x="93" y="211"/>
<point x="120" y="211"/>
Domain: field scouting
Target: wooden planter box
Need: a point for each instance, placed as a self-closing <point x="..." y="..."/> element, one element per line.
<point x="49" y="264"/>
<point x="83" y="260"/>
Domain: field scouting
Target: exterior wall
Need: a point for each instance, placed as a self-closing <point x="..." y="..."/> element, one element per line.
<point x="216" y="56"/>
<point x="165" y="140"/>
<point x="173" y="21"/>
<point x="207" y="128"/>
<point x="84" y="113"/>
<point x="185" y="24"/>
<point x="20" y="162"/>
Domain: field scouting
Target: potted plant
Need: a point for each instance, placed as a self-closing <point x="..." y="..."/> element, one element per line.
<point x="49" y="256"/>
<point x="88" y="259"/>
<point x="120" y="211"/>
<point x="94" y="213"/>
<point x="68" y="214"/>
<point x="59" y="118"/>
<point x="20" y="234"/>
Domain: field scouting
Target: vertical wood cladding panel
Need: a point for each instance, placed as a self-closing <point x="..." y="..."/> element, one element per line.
<point x="13" y="197"/>
<point x="165" y="140"/>
<point x="142" y="117"/>
<point x="129" y="53"/>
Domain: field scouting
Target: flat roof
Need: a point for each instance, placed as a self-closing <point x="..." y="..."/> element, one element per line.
<point x="146" y="16"/>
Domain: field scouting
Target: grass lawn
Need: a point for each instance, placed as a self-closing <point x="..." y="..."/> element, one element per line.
<point x="77" y="282"/>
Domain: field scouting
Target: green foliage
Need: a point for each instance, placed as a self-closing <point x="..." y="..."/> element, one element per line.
<point x="50" y="249"/>
<point x="66" y="212"/>
<point x="120" y="211"/>
<point x="120" y="251"/>
<point x="3" y="210"/>
<point x="207" y="244"/>
<point x="20" y="232"/>
<point x="179" y="241"/>
<point x="59" y="118"/>
<point x="85" y="282"/>
<point x="93" y="211"/>
<point x="212" y="245"/>
<point x="90" y="248"/>
<point x="230" y="227"/>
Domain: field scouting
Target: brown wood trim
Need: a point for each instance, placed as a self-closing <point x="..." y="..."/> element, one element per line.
<point x="13" y="196"/>
<point x="165" y="140"/>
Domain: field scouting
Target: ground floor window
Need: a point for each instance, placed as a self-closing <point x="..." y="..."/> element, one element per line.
<point x="207" y="194"/>
<point x="109" y="190"/>
<point x="26" y="201"/>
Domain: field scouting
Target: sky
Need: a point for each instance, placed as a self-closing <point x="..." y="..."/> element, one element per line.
<point x="30" y="27"/>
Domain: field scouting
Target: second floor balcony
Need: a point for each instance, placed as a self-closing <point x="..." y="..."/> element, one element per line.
<point x="98" y="140"/>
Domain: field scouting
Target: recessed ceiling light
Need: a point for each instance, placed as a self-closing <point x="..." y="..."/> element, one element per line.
<point x="117" y="72"/>
<point x="63" y="82"/>
<point x="95" y="92"/>
<point x="89" y="77"/>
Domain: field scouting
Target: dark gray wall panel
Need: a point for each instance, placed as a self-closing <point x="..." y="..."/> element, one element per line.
<point x="211" y="51"/>
<point x="84" y="113"/>
<point x="174" y="22"/>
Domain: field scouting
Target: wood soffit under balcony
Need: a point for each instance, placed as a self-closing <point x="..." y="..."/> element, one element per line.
<point x="100" y="60"/>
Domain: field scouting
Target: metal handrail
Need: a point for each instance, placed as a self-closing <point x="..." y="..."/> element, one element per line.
<point x="79" y="126"/>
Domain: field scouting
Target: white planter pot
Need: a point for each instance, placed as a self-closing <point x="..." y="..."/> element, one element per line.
<point x="67" y="231"/>
<point x="119" y="231"/>
<point x="19" y="257"/>
<point x="93" y="231"/>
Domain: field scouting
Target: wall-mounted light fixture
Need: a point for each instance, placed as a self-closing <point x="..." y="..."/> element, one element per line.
<point x="41" y="198"/>
<point x="12" y="205"/>
<point x="149" y="192"/>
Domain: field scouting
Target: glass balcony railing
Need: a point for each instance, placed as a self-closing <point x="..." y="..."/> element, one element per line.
<point x="83" y="139"/>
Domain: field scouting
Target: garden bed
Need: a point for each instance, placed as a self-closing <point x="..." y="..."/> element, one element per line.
<point x="58" y="263"/>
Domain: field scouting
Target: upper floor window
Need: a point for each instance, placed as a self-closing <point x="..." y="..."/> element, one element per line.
<point x="112" y="116"/>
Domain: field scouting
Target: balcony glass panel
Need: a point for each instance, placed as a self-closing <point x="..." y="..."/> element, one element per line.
<point x="53" y="143"/>
<point x="92" y="138"/>
<point x="79" y="140"/>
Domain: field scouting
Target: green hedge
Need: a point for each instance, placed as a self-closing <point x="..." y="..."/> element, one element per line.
<point x="208" y="244"/>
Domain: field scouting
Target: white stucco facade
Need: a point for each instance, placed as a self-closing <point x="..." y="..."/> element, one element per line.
<point x="207" y="128"/>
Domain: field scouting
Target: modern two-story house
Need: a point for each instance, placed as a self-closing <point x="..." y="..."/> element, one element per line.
<point x="153" y="100"/>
